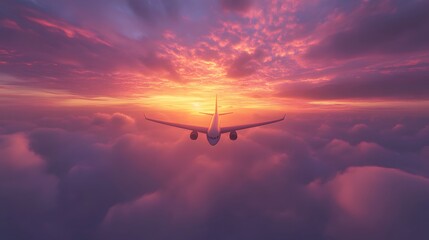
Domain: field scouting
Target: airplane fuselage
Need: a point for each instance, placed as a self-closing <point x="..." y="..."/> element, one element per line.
<point x="213" y="133"/>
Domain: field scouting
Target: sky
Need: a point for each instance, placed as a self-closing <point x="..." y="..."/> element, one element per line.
<point x="78" y="160"/>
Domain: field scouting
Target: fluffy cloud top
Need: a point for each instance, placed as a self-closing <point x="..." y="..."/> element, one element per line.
<point x="68" y="177"/>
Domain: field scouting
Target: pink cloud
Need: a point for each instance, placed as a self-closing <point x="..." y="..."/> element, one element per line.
<point x="373" y="202"/>
<point x="236" y="5"/>
<point x="359" y="128"/>
<point x="28" y="191"/>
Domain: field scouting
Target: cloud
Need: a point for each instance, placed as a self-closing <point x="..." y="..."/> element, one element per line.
<point x="245" y="64"/>
<point x="155" y="62"/>
<point x="28" y="193"/>
<point x="402" y="30"/>
<point x="373" y="202"/>
<point x="179" y="206"/>
<point x="65" y="57"/>
<point x="113" y="121"/>
<point x="153" y="12"/>
<point x="364" y="153"/>
<point x="139" y="183"/>
<point x="395" y="85"/>
<point x="236" y="5"/>
<point x="113" y="48"/>
<point x="69" y="55"/>
<point x="61" y="149"/>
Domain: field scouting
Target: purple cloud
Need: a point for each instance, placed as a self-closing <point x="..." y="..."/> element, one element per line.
<point x="300" y="179"/>
<point x="393" y="85"/>
<point x="401" y="28"/>
<point x="364" y="197"/>
<point x="155" y="62"/>
<point x="28" y="193"/>
<point x="245" y="64"/>
<point x="236" y="5"/>
<point x="152" y="11"/>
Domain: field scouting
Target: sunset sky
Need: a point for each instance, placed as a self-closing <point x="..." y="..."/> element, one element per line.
<point x="78" y="160"/>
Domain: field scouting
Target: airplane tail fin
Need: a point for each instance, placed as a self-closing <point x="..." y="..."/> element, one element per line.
<point x="220" y="114"/>
<point x="216" y="104"/>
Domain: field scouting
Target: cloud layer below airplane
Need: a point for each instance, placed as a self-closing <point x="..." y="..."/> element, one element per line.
<point x="318" y="176"/>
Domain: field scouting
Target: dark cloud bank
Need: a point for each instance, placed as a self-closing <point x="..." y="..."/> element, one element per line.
<point x="316" y="176"/>
<point x="377" y="28"/>
<point x="398" y="84"/>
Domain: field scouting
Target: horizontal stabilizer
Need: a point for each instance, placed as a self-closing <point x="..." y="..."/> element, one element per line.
<point x="207" y="113"/>
<point x="220" y="114"/>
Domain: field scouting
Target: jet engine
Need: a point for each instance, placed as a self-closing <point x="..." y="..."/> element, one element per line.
<point x="194" y="135"/>
<point x="233" y="135"/>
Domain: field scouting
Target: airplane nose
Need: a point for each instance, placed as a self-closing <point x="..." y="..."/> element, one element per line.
<point x="211" y="142"/>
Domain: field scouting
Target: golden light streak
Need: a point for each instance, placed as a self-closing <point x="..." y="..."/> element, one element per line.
<point x="193" y="99"/>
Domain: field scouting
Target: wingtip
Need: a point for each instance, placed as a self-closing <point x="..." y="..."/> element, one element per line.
<point x="284" y="116"/>
<point x="144" y="115"/>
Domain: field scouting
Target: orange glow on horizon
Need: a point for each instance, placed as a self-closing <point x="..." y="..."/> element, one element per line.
<point x="194" y="102"/>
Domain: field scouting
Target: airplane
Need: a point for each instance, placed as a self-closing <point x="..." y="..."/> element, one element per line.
<point x="214" y="130"/>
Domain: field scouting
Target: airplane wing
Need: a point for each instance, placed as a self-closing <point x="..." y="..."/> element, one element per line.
<point x="179" y="125"/>
<point x="240" y="127"/>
